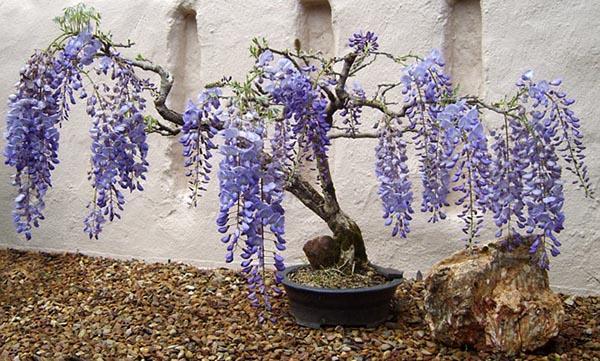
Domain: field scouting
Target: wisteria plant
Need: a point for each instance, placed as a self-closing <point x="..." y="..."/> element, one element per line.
<point x="284" y="114"/>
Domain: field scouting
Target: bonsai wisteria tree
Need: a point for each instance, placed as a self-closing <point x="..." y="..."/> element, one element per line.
<point x="283" y="114"/>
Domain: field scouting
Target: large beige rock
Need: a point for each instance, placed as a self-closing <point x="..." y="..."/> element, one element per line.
<point x="491" y="299"/>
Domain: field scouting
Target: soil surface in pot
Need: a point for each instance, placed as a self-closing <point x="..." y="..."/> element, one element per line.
<point x="334" y="278"/>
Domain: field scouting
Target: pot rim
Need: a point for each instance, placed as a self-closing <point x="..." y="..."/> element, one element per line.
<point x="289" y="283"/>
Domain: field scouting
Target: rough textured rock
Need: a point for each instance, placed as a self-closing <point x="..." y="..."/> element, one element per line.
<point x="322" y="252"/>
<point x="491" y="299"/>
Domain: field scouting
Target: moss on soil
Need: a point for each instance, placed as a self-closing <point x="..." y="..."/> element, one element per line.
<point x="334" y="278"/>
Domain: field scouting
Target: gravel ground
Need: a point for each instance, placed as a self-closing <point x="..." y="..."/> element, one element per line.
<point x="73" y="307"/>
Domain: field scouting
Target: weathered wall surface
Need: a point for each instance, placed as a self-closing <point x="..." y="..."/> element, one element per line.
<point x="488" y="44"/>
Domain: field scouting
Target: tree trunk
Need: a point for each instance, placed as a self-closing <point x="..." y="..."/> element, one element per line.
<point x="345" y="230"/>
<point x="349" y="237"/>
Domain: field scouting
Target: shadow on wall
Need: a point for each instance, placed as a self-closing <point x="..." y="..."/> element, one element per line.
<point x="183" y="60"/>
<point x="314" y="31"/>
<point x="462" y="45"/>
<point x="314" y="27"/>
<point x="183" y="55"/>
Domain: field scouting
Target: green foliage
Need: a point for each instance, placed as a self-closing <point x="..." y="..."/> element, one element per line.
<point x="257" y="46"/>
<point x="151" y="123"/>
<point x="140" y="57"/>
<point x="77" y="18"/>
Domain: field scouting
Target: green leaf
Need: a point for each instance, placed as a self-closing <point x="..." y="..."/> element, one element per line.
<point x="76" y="18"/>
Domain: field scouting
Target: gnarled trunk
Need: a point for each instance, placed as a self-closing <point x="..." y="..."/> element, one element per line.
<point x="345" y="230"/>
<point x="349" y="237"/>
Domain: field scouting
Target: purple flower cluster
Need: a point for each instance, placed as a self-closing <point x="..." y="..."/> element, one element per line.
<point x="78" y="52"/>
<point x="251" y="193"/>
<point x="392" y="171"/>
<point x="363" y="43"/>
<point x="304" y="106"/>
<point x="119" y="147"/>
<point x="81" y="48"/>
<point x="48" y="84"/>
<point x="352" y="112"/>
<point x="34" y="112"/>
<point x="199" y="121"/>
<point x="550" y="106"/>
<point x="553" y="131"/>
<point x="528" y="193"/>
<point x="508" y="166"/>
<point x="425" y="87"/>
<point x="466" y="151"/>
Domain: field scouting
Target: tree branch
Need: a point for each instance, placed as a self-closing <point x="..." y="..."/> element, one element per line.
<point x="166" y="83"/>
<point x="340" y="88"/>
<point x="337" y="135"/>
<point x="376" y="104"/>
<point x="307" y="194"/>
<point x="297" y="185"/>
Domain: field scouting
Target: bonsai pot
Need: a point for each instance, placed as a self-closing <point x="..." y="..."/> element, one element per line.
<point x="367" y="306"/>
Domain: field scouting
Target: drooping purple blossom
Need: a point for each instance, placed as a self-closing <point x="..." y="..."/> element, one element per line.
<point x="78" y="52"/>
<point x="250" y="197"/>
<point x="392" y="171"/>
<point x="551" y="106"/>
<point x="50" y="85"/>
<point x="352" y="112"/>
<point x="47" y="87"/>
<point x="199" y="127"/>
<point x="32" y="136"/>
<point x="119" y="146"/>
<point x="532" y="194"/>
<point x="425" y="87"/>
<point x="508" y="166"/>
<point x="304" y="105"/>
<point x="466" y="152"/>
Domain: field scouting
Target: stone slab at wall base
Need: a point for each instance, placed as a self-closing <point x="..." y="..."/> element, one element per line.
<point x="555" y="38"/>
<point x="492" y="299"/>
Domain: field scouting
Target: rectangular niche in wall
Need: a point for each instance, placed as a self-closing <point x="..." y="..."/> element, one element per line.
<point x="315" y="28"/>
<point x="462" y="45"/>
<point x="183" y="61"/>
<point x="183" y="56"/>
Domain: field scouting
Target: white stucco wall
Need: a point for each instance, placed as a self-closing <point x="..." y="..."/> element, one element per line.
<point x="556" y="38"/>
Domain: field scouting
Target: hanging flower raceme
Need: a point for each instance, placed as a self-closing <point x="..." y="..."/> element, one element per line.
<point x="51" y="82"/>
<point x="425" y="88"/>
<point x="78" y="52"/>
<point x="119" y="146"/>
<point x="392" y="171"/>
<point x="552" y="130"/>
<point x="251" y="193"/>
<point x="551" y="107"/>
<point x="352" y="112"/>
<point x="508" y="167"/>
<point x="199" y="127"/>
<point x="544" y="198"/>
<point x="466" y="152"/>
<point x="32" y="136"/>
<point x="304" y="106"/>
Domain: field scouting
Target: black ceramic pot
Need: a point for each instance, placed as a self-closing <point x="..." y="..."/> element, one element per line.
<point x="368" y="306"/>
